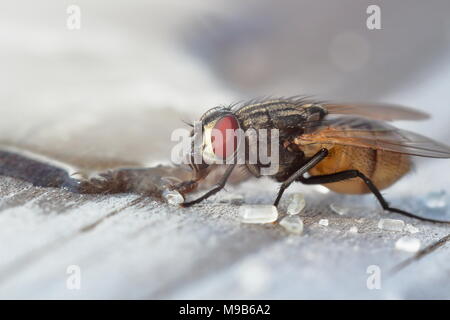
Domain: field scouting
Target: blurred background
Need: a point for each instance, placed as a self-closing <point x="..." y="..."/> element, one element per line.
<point x="109" y="93"/>
<point x="112" y="90"/>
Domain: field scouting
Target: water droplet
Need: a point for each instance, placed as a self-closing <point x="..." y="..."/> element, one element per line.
<point x="173" y="197"/>
<point x="408" y="244"/>
<point x="391" y="224"/>
<point x="340" y="210"/>
<point x="323" y="222"/>
<point x="436" y="200"/>
<point x="297" y="204"/>
<point x="258" y="213"/>
<point x="292" y="224"/>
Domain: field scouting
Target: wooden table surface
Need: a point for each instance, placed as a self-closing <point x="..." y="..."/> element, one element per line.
<point x="130" y="246"/>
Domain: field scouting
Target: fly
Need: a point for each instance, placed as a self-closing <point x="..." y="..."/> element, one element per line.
<point x="349" y="148"/>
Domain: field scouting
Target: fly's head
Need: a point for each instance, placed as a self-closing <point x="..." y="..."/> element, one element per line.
<point x="214" y="139"/>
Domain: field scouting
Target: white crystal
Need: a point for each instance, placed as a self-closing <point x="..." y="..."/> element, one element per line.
<point x="258" y="213"/>
<point x="323" y="222"/>
<point x="340" y="210"/>
<point x="408" y="244"/>
<point x="436" y="200"/>
<point x="411" y="229"/>
<point x="353" y="230"/>
<point x="292" y="224"/>
<point x="173" y="197"/>
<point x="297" y="204"/>
<point x="391" y="224"/>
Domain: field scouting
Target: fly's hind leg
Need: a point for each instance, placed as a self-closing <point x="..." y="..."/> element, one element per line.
<point x="349" y="174"/>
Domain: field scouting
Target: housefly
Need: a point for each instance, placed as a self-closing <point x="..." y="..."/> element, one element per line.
<point x="348" y="148"/>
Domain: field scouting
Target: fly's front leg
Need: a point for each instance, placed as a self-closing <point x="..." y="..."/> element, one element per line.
<point x="214" y="190"/>
<point x="185" y="186"/>
<point x="319" y="156"/>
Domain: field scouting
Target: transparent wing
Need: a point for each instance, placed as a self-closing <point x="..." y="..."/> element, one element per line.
<point x="366" y="133"/>
<point x="382" y="111"/>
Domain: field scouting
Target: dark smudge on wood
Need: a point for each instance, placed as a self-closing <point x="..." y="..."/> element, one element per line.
<point x="145" y="181"/>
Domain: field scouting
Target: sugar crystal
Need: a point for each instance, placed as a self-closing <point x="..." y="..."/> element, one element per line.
<point x="258" y="213"/>
<point x="173" y="197"/>
<point x="391" y="224"/>
<point x="297" y="204"/>
<point x="292" y="224"/>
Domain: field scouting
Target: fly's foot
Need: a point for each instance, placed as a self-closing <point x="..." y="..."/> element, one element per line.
<point x="175" y="193"/>
<point x="184" y="187"/>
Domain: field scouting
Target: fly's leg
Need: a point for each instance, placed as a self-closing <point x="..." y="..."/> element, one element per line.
<point x="214" y="190"/>
<point x="319" y="156"/>
<point x="350" y="174"/>
<point x="189" y="186"/>
<point x="185" y="186"/>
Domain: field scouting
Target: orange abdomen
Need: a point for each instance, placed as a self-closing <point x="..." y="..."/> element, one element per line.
<point x="383" y="167"/>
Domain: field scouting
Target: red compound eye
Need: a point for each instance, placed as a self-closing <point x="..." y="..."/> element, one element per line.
<point x="223" y="136"/>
